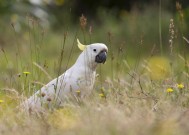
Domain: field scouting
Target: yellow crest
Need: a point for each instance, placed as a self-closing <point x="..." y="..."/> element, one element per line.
<point x="81" y="46"/>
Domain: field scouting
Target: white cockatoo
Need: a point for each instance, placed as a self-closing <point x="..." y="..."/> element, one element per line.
<point x="79" y="79"/>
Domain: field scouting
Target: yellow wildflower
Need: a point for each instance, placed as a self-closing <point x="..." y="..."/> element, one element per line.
<point x="101" y="95"/>
<point x="78" y="91"/>
<point x="169" y="90"/>
<point x="180" y="86"/>
<point x="26" y="72"/>
<point x="1" y="101"/>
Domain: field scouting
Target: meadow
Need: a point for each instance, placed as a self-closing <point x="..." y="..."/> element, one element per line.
<point x="142" y="88"/>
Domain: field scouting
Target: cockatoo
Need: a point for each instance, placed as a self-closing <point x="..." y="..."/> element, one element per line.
<point x="79" y="79"/>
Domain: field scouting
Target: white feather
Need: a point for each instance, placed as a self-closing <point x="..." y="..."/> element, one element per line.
<point x="81" y="76"/>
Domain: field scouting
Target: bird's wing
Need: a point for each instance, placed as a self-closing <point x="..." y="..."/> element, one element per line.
<point x="54" y="92"/>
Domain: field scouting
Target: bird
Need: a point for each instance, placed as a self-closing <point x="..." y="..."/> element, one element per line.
<point x="79" y="80"/>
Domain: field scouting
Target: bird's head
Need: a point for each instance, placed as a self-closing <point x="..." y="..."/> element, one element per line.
<point x="93" y="54"/>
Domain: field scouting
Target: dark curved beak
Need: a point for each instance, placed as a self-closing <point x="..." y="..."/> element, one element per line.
<point x="101" y="57"/>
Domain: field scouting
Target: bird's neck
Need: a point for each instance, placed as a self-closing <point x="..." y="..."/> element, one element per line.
<point x="84" y="60"/>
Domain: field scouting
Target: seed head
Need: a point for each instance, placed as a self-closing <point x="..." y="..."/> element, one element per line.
<point x="83" y="21"/>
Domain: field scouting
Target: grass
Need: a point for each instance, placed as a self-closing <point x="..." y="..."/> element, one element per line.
<point x="136" y="92"/>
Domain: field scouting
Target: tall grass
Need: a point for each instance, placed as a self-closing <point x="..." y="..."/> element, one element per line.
<point x="160" y="32"/>
<point x="144" y="94"/>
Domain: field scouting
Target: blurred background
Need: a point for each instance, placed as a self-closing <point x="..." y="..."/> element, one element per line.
<point x="127" y="20"/>
<point x="37" y="31"/>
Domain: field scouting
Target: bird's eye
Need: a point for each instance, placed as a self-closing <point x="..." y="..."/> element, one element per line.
<point x="94" y="50"/>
